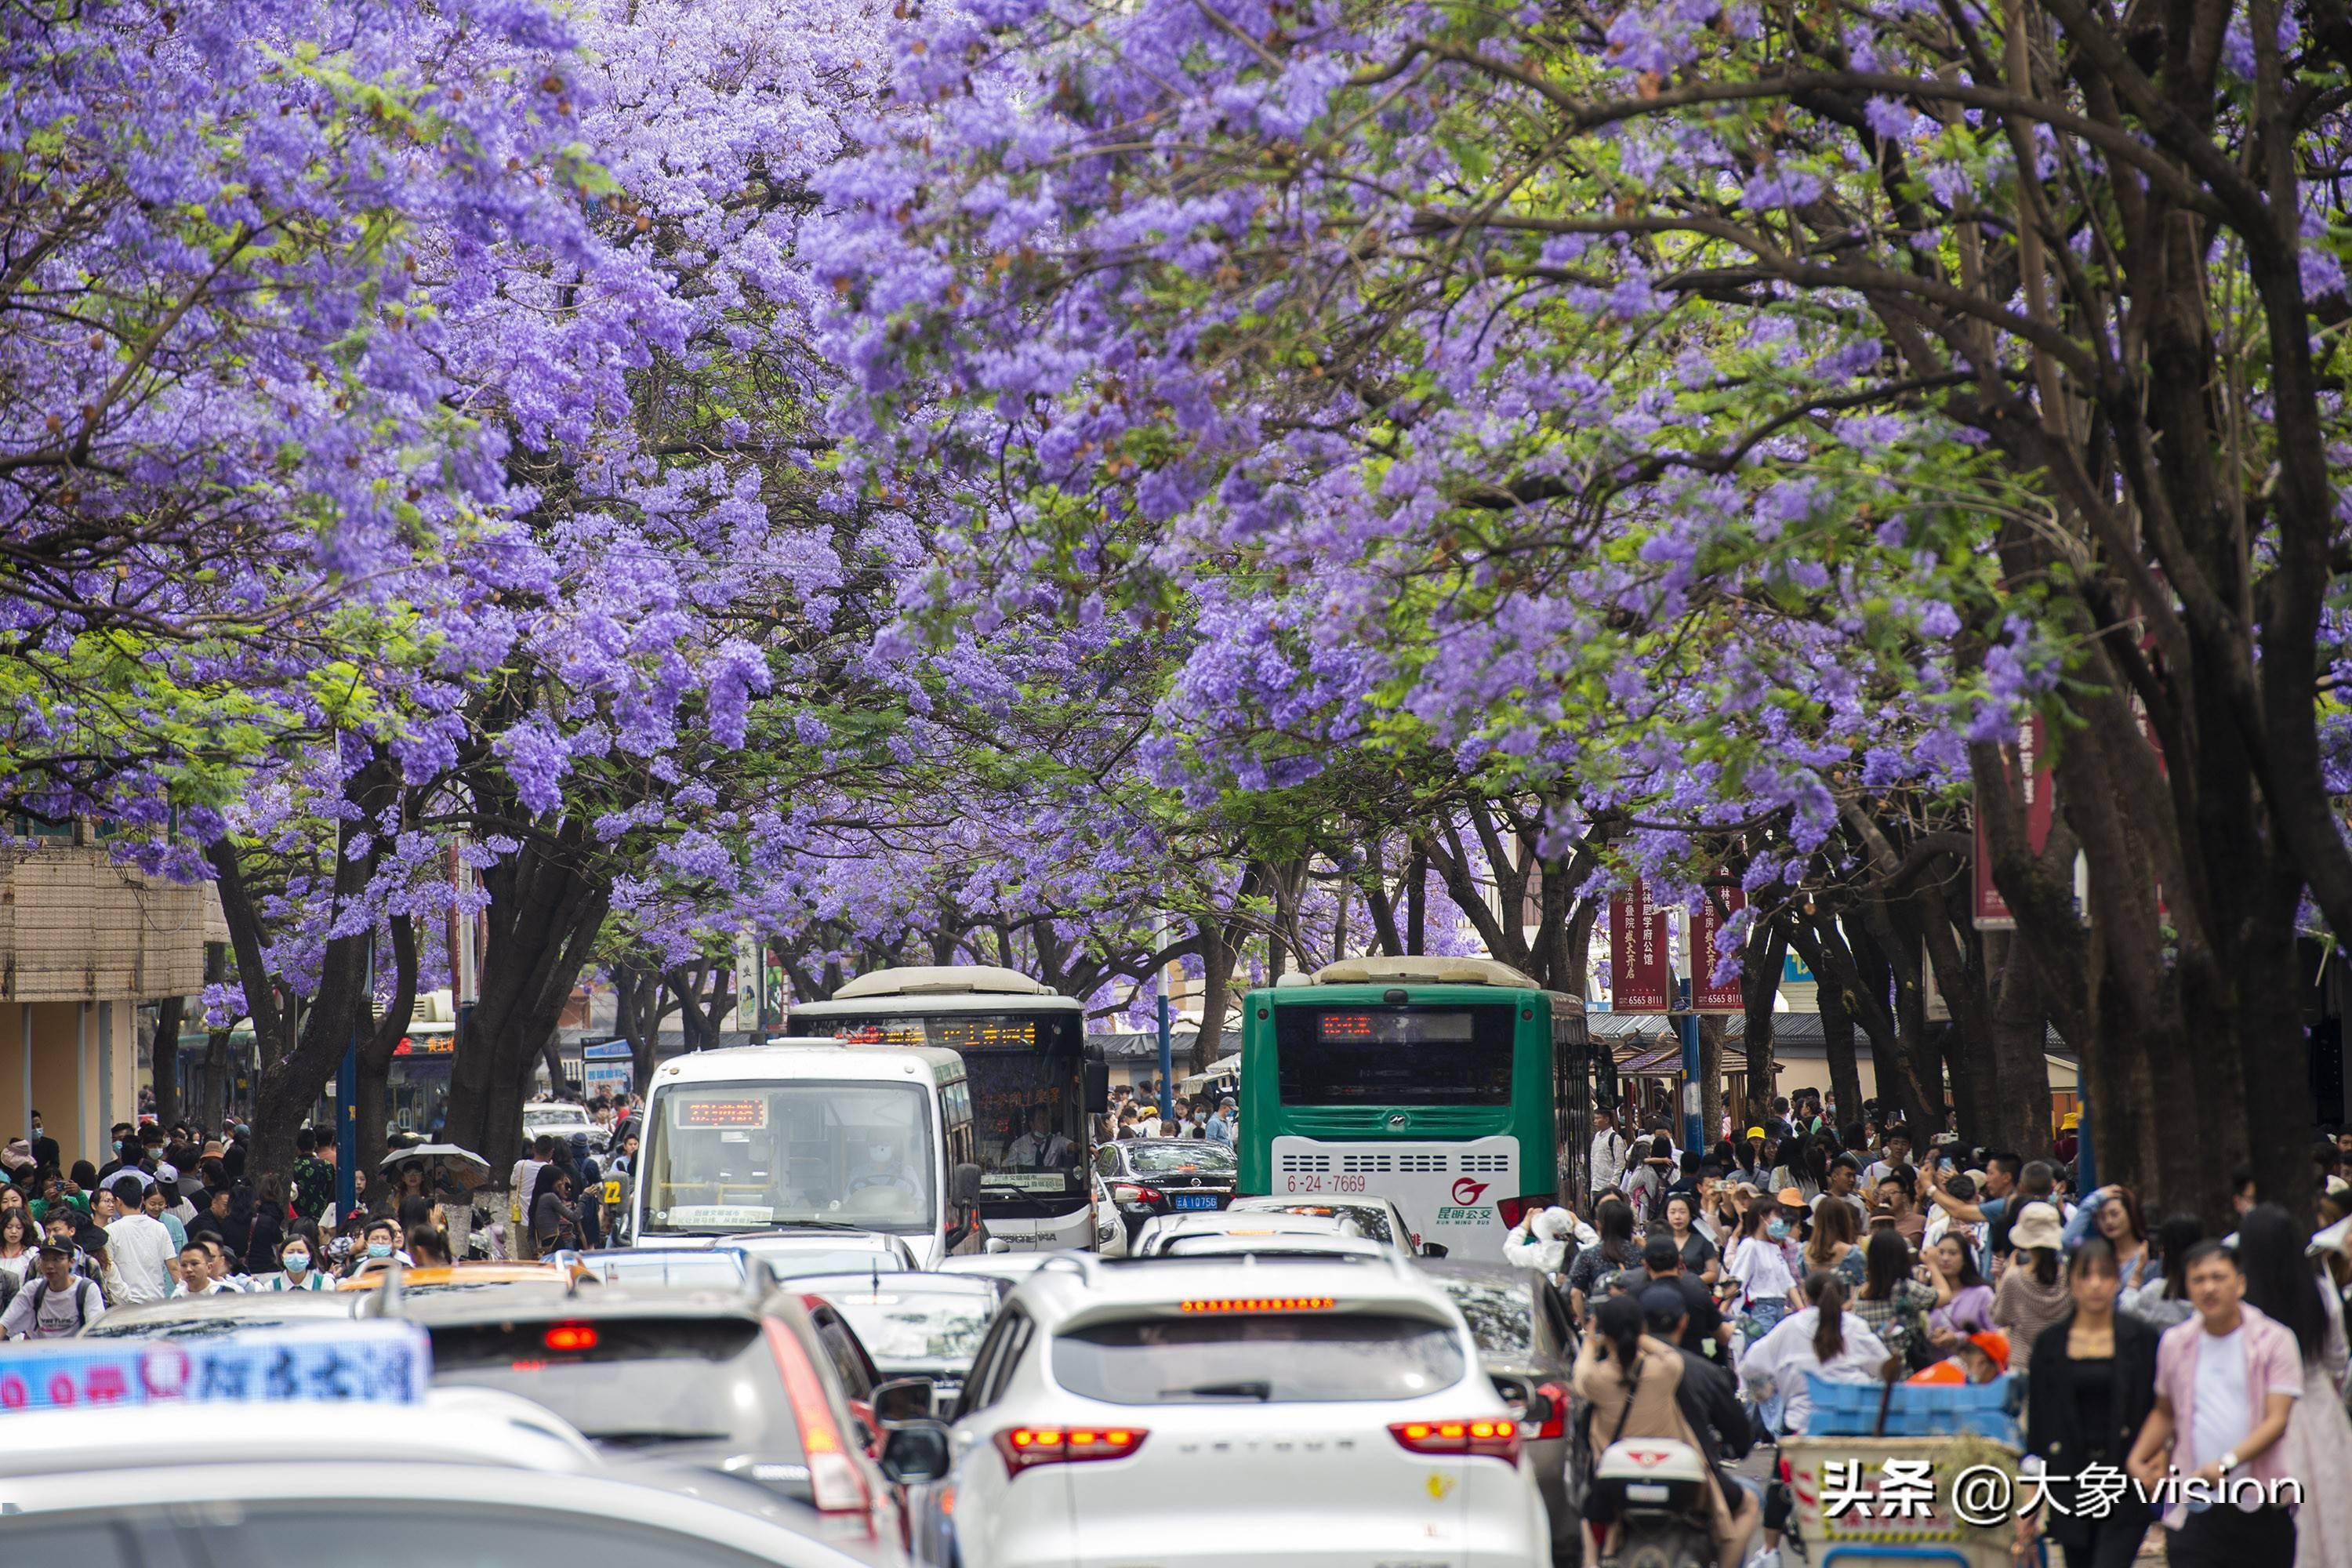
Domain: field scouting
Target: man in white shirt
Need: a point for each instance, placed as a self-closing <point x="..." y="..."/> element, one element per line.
<point x="1895" y="1150"/>
<point x="140" y="1247"/>
<point x="1608" y="1151"/>
<point x="1041" y="1147"/>
<point x="57" y="1303"/>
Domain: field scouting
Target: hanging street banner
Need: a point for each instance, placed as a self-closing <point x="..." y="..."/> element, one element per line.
<point x="1640" y="977"/>
<point x="1704" y="923"/>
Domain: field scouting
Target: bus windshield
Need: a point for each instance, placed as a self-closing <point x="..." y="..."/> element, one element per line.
<point x="1027" y="1114"/>
<point x="724" y="1157"/>
<point x="1394" y="1056"/>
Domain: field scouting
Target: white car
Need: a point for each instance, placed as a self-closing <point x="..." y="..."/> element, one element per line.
<point x="1376" y="1217"/>
<point x="1249" y="1412"/>
<point x="561" y="1121"/>
<point x="1162" y="1229"/>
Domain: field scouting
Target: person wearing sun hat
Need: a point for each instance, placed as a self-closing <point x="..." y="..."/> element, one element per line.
<point x="2031" y="1294"/>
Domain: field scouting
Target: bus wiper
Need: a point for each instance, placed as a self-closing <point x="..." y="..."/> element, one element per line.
<point x="807" y="1224"/>
<point x="1253" y="1388"/>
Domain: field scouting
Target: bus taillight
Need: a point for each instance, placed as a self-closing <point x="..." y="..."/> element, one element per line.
<point x="1514" y="1210"/>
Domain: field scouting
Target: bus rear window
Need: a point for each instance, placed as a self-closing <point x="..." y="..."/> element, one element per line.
<point x="1394" y="1056"/>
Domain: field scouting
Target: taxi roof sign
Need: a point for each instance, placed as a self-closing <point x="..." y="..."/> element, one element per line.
<point x="377" y="1363"/>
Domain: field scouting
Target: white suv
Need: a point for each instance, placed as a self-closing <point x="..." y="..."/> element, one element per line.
<point x="1300" y="1412"/>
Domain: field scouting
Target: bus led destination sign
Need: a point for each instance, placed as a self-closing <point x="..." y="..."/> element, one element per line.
<point x="742" y="1115"/>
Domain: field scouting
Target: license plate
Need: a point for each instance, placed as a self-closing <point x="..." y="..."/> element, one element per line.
<point x="1194" y="1201"/>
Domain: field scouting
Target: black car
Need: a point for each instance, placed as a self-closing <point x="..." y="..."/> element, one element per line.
<point x="1152" y="1177"/>
<point x="1528" y="1349"/>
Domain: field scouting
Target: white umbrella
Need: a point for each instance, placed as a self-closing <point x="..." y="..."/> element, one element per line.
<point x="462" y="1166"/>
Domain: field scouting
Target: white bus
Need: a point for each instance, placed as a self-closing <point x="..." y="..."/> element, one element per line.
<point x="809" y="1135"/>
<point x="1033" y="1086"/>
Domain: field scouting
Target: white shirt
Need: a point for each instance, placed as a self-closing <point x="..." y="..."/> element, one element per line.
<point x="143" y="1252"/>
<point x="1762" y="1269"/>
<point x="78" y="1306"/>
<point x="1779" y="1362"/>
<point x="2225" y="1406"/>
<point x="1031" y="1150"/>
<point x="1877" y="1172"/>
<point x="1608" y="1150"/>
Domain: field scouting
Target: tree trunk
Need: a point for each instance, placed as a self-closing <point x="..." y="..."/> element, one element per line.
<point x="2018" y="1114"/>
<point x="1416" y="900"/>
<point x="164" y="1054"/>
<point x="371" y="1095"/>
<point x="1216" y="988"/>
<point x="1710" y="1079"/>
<point x="547" y="905"/>
<point x="1837" y="1040"/>
<point x="1760" y="985"/>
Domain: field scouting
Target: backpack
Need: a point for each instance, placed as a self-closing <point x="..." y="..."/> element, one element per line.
<point x="82" y="1307"/>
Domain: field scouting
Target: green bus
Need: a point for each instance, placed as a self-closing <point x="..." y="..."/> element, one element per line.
<point x="1457" y="1088"/>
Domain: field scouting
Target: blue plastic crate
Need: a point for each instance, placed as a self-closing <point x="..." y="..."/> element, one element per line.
<point x="1915" y="1410"/>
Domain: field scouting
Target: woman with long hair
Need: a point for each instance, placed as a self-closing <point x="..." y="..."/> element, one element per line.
<point x="1762" y="1263"/>
<point x="1614" y="1251"/>
<point x="2161" y="1298"/>
<point x="20" y="1242"/>
<point x="2092" y="1383"/>
<point x="1891" y="1302"/>
<point x="1630" y="1382"/>
<point x="2033" y="1292"/>
<point x="2116" y="1214"/>
<point x="1963" y="1300"/>
<point x="1822" y="1338"/>
<point x="1831" y="1246"/>
<point x="2282" y="1282"/>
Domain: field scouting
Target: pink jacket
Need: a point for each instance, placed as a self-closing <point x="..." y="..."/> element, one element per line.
<point x="2273" y="1365"/>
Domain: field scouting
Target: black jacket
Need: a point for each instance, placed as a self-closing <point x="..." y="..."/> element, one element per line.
<point x="1709" y="1397"/>
<point x="2054" y="1420"/>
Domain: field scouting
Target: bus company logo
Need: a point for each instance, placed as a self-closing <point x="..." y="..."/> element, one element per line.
<point x="1466" y="1192"/>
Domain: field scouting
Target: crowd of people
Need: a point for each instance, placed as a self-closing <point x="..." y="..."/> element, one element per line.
<point x="2139" y="1352"/>
<point x="1134" y="1113"/>
<point x="172" y="1213"/>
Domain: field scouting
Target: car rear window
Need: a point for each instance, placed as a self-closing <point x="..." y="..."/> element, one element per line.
<point x="1373" y="1222"/>
<point x="644" y="1382"/>
<point x="1499" y="1315"/>
<point x="1258" y="1358"/>
<point x="1165" y="1159"/>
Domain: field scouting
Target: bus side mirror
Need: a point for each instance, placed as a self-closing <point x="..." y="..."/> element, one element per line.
<point x="963" y="1186"/>
<point x="1097" y="1087"/>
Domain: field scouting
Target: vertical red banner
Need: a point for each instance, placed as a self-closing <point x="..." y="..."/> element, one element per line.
<point x="1991" y="910"/>
<point x="1639" y="977"/>
<point x="1707" y="996"/>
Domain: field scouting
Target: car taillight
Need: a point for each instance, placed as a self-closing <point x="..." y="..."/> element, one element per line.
<point x="571" y="1336"/>
<point x="834" y="1484"/>
<point x="1556" y="1423"/>
<point x="1135" y="1192"/>
<point x="1514" y="1210"/>
<point x="1494" y="1436"/>
<point x="1026" y="1447"/>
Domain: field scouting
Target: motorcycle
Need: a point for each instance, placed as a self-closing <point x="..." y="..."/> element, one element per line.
<point x="1654" y="1490"/>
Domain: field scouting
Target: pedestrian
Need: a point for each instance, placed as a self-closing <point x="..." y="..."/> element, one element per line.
<point x="2283" y="1285"/>
<point x="20" y="1244"/>
<point x="139" y="1245"/>
<point x="429" y="1246"/>
<point x="379" y="1249"/>
<point x="1698" y="1254"/>
<point x="1831" y="1246"/>
<point x="2091" y="1383"/>
<point x="1963" y="1300"/>
<point x="2114" y="1212"/>
<point x="2226" y="1383"/>
<point x="1220" y="1127"/>
<point x="555" y="1223"/>
<point x="1891" y="1302"/>
<point x="1631" y="1382"/>
<point x="2032" y="1295"/>
<point x="1763" y="1265"/>
<point x="155" y="1202"/>
<point x="1610" y="1148"/>
<point x="192" y="1272"/>
<point x="1661" y="1262"/>
<point x="1589" y="1276"/>
<point x="267" y="1221"/>
<point x="1895" y="1153"/>
<point x="1646" y="1183"/>
<point x="1821" y="1338"/>
<point x="57" y="1304"/>
<point x="293" y="1271"/>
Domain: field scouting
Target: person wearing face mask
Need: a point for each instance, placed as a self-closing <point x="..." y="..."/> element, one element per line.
<point x="884" y="1168"/>
<point x="1762" y="1268"/>
<point x="381" y="1249"/>
<point x="294" y="1270"/>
